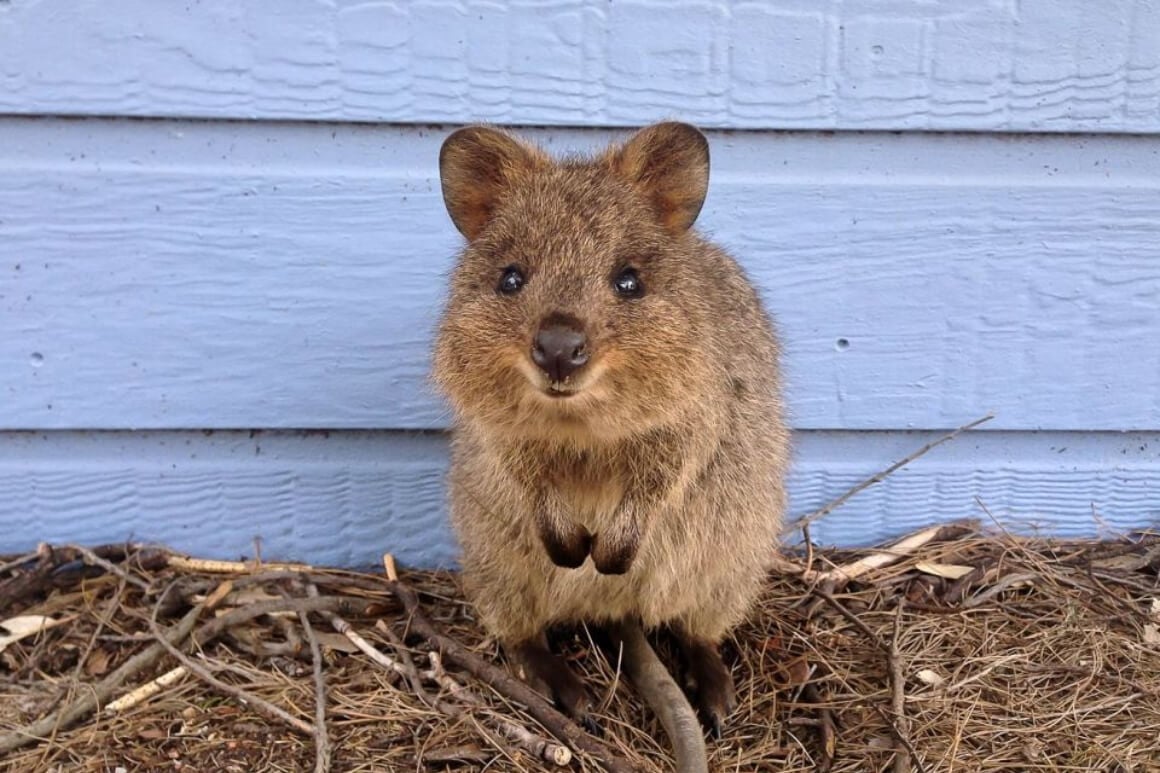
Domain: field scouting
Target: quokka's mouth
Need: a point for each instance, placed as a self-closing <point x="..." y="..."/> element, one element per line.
<point x="558" y="390"/>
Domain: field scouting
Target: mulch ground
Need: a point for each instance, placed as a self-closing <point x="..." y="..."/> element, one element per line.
<point x="953" y="651"/>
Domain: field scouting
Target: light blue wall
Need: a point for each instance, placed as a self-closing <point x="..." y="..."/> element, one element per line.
<point x="226" y="265"/>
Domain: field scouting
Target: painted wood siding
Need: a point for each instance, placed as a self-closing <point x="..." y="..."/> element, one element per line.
<point x="1014" y="65"/>
<point x="182" y="297"/>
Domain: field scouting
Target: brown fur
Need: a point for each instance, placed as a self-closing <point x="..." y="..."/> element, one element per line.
<point x="665" y="465"/>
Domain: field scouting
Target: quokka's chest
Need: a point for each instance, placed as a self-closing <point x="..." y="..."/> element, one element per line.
<point x="593" y="500"/>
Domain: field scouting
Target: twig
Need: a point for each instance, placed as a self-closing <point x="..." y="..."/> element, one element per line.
<point x="979" y="675"/>
<point x="827" y="728"/>
<point x="215" y="627"/>
<point x="368" y="649"/>
<point x="17" y="562"/>
<point x="201" y="672"/>
<point x="901" y="739"/>
<point x="898" y="694"/>
<point x="187" y="564"/>
<point x="321" y="738"/>
<point x="101" y="691"/>
<point x="1000" y="586"/>
<point x="556" y="723"/>
<point x="405" y="665"/>
<point x="93" y="559"/>
<point x="146" y="691"/>
<point x="881" y="476"/>
<point x="854" y="619"/>
<point x="540" y="748"/>
<point x="261" y="705"/>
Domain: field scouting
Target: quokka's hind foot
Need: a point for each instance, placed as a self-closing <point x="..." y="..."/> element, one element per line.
<point x="551" y="675"/>
<point x="712" y="690"/>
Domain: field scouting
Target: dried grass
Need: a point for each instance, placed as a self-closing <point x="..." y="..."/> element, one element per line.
<point x="1044" y="657"/>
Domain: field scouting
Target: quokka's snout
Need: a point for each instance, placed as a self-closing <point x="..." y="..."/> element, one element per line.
<point x="560" y="348"/>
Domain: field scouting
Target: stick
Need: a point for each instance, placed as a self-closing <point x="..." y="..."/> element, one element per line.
<point x="102" y="690"/>
<point x="214" y="628"/>
<point x="379" y="657"/>
<point x="405" y="665"/>
<point x="186" y="564"/>
<point x="93" y="559"/>
<point x="901" y="739"/>
<point x="556" y="723"/>
<point x="540" y="748"/>
<point x="827" y="728"/>
<point x="17" y="562"/>
<point x="242" y="696"/>
<point x="321" y="739"/>
<point x="1000" y="586"/>
<point x="146" y="691"/>
<point x="881" y="476"/>
<point x="841" y="609"/>
<point x="898" y="694"/>
<point x="460" y="754"/>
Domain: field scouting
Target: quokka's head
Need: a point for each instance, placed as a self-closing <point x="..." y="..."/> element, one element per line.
<point x="577" y="307"/>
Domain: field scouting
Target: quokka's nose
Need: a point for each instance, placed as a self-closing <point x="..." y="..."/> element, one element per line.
<point x="560" y="349"/>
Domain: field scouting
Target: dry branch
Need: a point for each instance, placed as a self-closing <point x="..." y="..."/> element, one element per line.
<point x="321" y="737"/>
<point x="237" y="693"/>
<point x="878" y="477"/>
<point x="902" y="757"/>
<point x="1057" y="675"/>
<point x="187" y="564"/>
<point x="556" y="723"/>
<point x="90" y="557"/>
<point x="146" y="691"/>
<point x="539" y="748"/>
<point x="91" y="698"/>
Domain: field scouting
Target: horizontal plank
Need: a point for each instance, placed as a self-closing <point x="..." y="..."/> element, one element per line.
<point x="1035" y="65"/>
<point x="183" y="275"/>
<point x="344" y="498"/>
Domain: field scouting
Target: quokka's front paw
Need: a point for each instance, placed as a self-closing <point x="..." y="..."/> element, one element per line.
<point x="614" y="550"/>
<point x="567" y="545"/>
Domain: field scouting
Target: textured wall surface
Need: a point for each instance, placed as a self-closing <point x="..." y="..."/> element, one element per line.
<point x="216" y="320"/>
<point x="1036" y="65"/>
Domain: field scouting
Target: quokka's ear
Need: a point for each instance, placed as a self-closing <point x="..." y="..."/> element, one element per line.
<point x="669" y="163"/>
<point x="477" y="164"/>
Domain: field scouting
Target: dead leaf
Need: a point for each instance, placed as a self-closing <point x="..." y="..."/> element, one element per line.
<point x="1128" y="561"/>
<point x="1032" y="750"/>
<point x="336" y="641"/>
<point x="98" y="662"/>
<point x="949" y="571"/>
<point x="1152" y="630"/>
<point x="793" y="673"/>
<point x="926" y="676"/>
<point x="16" y="628"/>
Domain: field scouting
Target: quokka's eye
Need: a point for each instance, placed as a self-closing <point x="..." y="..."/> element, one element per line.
<point x="510" y="281"/>
<point x="627" y="284"/>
